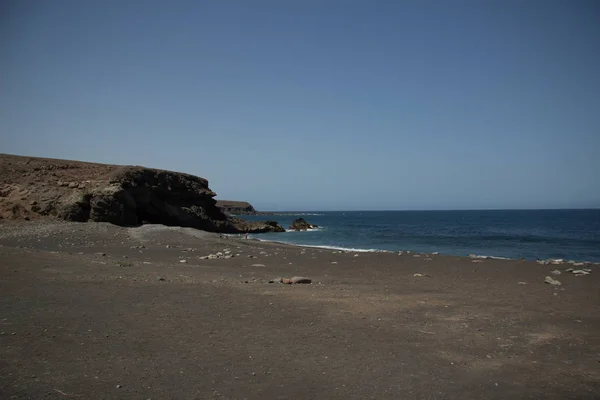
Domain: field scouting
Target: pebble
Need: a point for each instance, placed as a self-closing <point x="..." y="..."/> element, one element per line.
<point x="160" y="278"/>
<point x="581" y="272"/>
<point x="424" y="275"/>
<point x="258" y="265"/>
<point x="549" y="280"/>
<point x="555" y="272"/>
<point x="183" y="261"/>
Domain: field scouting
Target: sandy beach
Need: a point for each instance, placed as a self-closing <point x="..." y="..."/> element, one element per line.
<point x="96" y="311"/>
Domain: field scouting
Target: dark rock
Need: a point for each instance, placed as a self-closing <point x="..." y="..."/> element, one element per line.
<point x="300" y="279"/>
<point x="300" y="224"/>
<point x="236" y="207"/>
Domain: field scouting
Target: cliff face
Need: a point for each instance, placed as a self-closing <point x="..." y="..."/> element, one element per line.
<point x="236" y="207"/>
<point x="123" y="195"/>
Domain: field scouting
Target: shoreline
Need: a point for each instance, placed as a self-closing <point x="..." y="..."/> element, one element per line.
<point x="472" y="256"/>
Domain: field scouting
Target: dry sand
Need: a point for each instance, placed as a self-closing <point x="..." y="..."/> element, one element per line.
<point x="95" y="311"/>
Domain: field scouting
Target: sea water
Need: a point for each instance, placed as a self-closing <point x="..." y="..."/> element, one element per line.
<point x="568" y="234"/>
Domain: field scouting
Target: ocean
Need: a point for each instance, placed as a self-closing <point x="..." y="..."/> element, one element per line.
<point x="567" y="234"/>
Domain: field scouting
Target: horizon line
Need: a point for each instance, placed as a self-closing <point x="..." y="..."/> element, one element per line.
<point x="436" y="210"/>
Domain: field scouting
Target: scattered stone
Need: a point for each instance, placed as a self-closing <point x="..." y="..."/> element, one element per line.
<point x="263" y="252"/>
<point x="422" y="275"/>
<point x="258" y="265"/>
<point x="356" y="255"/>
<point x="334" y="262"/>
<point x="160" y="278"/>
<point x="416" y="255"/>
<point x="477" y="261"/>
<point x="183" y="261"/>
<point x="580" y="272"/>
<point x="216" y="256"/>
<point x="555" y="272"/>
<point x="549" y="280"/>
<point x="101" y="254"/>
<point x="522" y="283"/>
<point x="435" y="253"/>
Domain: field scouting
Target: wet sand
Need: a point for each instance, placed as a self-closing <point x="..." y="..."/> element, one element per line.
<point x="94" y="311"/>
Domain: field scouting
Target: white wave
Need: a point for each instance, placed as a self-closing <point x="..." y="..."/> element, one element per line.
<point x="488" y="257"/>
<point x="306" y="230"/>
<point x="348" y="249"/>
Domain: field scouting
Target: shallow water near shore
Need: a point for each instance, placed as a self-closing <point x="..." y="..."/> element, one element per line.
<point x="569" y="234"/>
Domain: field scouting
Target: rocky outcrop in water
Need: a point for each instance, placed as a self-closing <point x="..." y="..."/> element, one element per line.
<point x="300" y="224"/>
<point x="32" y="188"/>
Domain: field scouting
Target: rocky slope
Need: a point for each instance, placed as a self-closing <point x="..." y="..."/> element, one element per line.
<point x="32" y="188"/>
<point x="236" y="207"/>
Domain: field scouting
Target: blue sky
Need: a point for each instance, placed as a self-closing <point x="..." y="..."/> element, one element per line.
<point x="317" y="104"/>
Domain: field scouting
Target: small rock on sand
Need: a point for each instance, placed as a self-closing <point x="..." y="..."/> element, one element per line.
<point x="422" y="275"/>
<point x="550" y="281"/>
<point x="183" y="261"/>
<point x="581" y="272"/>
<point x="477" y="261"/>
<point x="300" y="279"/>
<point x="258" y="265"/>
<point x="555" y="272"/>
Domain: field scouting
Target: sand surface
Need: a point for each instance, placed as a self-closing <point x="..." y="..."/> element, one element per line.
<point x="95" y="311"/>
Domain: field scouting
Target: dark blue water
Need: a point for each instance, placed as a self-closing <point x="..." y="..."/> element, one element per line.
<point x="569" y="234"/>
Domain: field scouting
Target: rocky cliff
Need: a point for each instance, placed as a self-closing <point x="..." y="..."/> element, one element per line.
<point x="32" y="188"/>
<point x="236" y="207"/>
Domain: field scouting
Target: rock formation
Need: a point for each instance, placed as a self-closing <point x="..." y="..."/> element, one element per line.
<point x="236" y="207"/>
<point x="300" y="224"/>
<point x="123" y="195"/>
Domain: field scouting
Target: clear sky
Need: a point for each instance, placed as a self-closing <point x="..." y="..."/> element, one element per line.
<point x="307" y="105"/>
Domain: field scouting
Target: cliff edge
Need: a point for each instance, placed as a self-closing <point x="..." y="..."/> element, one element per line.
<point x="33" y="188"/>
<point x="236" y="207"/>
